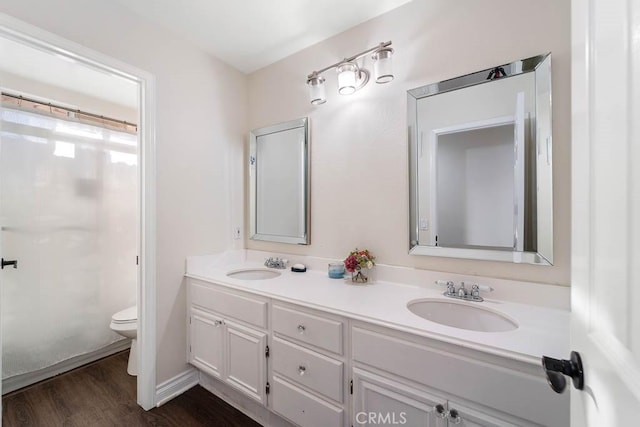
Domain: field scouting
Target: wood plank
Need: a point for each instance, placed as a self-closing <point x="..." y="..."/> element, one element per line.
<point x="102" y="394"/>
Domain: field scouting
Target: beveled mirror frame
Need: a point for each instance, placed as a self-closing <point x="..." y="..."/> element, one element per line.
<point x="541" y="65"/>
<point x="303" y="165"/>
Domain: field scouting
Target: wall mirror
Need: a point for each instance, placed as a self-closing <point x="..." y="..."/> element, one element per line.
<point x="480" y="165"/>
<point x="279" y="182"/>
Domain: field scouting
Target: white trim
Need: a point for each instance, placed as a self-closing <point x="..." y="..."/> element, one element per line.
<point x="177" y="385"/>
<point x="23" y="380"/>
<point x="147" y="289"/>
<point x="28" y="34"/>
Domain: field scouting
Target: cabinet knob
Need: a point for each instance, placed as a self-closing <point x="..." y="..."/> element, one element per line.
<point x="454" y="417"/>
<point x="439" y="410"/>
<point x="302" y="370"/>
<point x="301" y="329"/>
<point x="218" y="323"/>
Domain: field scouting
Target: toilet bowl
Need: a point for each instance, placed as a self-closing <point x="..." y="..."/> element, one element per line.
<point x="125" y="323"/>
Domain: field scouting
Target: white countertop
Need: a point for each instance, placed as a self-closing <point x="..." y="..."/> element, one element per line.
<point x="541" y="330"/>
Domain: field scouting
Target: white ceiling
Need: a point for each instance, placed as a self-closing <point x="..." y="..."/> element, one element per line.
<point x="247" y="34"/>
<point x="251" y="34"/>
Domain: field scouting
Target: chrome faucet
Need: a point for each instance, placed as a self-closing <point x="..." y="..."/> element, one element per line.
<point x="279" y="263"/>
<point x="463" y="293"/>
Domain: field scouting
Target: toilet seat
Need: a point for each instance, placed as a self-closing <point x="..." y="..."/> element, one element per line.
<point x="128" y="315"/>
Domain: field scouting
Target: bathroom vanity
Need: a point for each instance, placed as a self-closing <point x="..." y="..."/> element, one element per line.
<point x="320" y="352"/>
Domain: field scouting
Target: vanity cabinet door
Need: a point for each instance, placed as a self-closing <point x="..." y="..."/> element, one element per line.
<point x="383" y="402"/>
<point x="206" y="341"/>
<point x="246" y="360"/>
<point x="230" y="352"/>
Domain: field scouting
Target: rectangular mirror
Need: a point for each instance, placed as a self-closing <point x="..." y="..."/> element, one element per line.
<point x="480" y="165"/>
<point x="279" y="182"/>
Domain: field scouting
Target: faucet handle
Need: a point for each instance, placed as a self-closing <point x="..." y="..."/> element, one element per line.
<point x="475" y="291"/>
<point x="451" y="288"/>
<point x="483" y="288"/>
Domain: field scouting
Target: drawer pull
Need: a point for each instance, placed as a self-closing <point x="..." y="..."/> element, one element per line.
<point x="301" y="329"/>
<point x="440" y="412"/>
<point x="218" y="323"/>
<point x="302" y="370"/>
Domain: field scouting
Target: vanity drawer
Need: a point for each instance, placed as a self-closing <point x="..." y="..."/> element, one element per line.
<point x="246" y="309"/>
<point x="319" y="373"/>
<point x="303" y="408"/>
<point x="308" y="328"/>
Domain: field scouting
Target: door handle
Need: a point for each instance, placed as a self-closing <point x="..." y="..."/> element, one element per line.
<point x="556" y="369"/>
<point x="5" y="263"/>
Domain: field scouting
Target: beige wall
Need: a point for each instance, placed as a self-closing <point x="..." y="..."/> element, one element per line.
<point x="201" y="120"/>
<point x="359" y="176"/>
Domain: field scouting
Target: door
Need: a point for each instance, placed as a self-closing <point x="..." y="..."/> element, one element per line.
<point x="1" y="282"/>
<point x="606" y="210"/>
<point x="246" y="360"/>
<point x="380" y="401"/>
<point x="206" y="340"/>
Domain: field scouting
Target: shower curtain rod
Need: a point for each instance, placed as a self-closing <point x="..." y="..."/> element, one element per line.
<point x="98" y="117"/>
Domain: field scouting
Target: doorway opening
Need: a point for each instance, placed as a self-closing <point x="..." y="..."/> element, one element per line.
<point x="91" y="250"/>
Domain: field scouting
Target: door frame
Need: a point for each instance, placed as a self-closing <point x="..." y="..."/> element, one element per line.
<point x="518" y="167"/>
<point x="33" y="36"/>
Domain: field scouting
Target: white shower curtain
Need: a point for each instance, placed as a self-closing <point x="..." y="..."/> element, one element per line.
<point x="68" y="213"/>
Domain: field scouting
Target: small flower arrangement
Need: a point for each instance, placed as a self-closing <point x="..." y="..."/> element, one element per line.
<point x="358" y="260"/>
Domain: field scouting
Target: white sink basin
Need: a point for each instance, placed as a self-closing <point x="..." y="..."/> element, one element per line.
<point x="253" y="274"/>
<point x="462" y="315"/>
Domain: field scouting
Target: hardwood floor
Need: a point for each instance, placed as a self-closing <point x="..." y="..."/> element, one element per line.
<point x="102" y="394"/>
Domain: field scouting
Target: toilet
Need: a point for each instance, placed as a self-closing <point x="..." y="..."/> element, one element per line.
<point x="125" y="323"/>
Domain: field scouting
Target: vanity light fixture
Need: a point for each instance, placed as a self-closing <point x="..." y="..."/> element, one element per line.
<point x="352" y="77"/>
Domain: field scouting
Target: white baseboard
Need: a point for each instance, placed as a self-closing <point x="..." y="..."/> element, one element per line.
<point x="23" y="380"/>
<point x="176" y="386"/>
